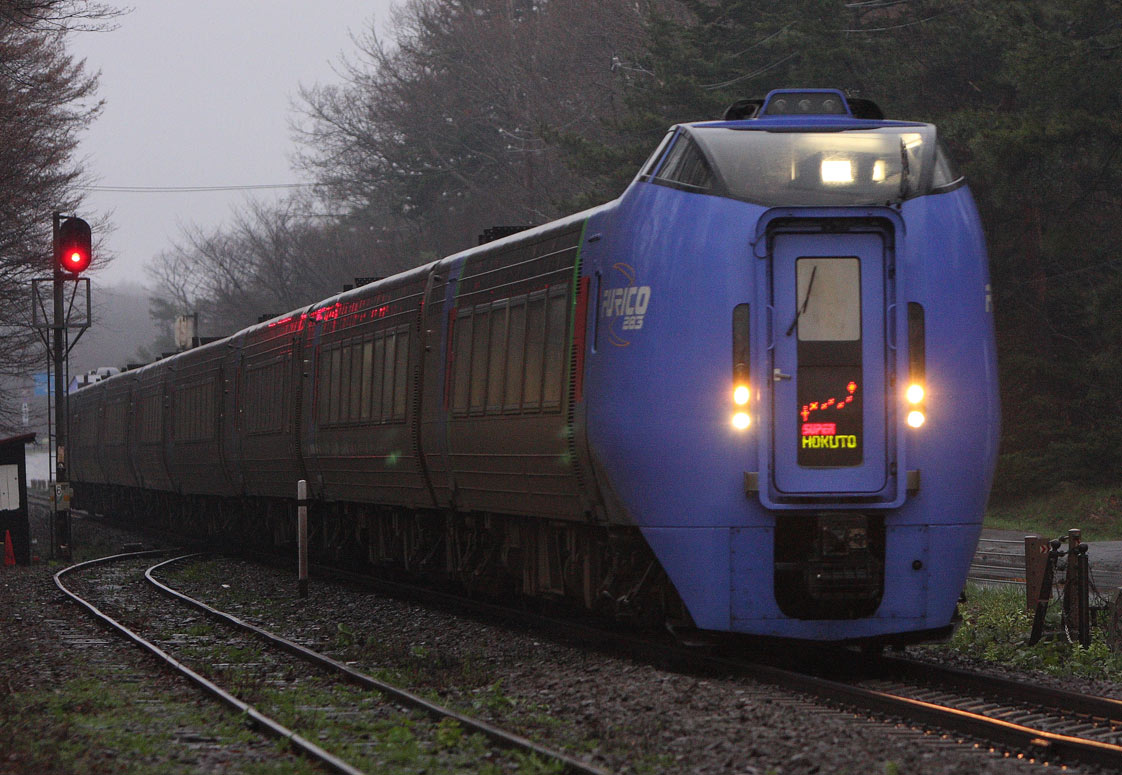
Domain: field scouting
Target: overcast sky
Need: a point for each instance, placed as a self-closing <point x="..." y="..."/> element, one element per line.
<point x="200" y="93"/>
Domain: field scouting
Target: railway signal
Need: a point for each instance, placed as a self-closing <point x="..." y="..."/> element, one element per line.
<point x="73" y="249"/>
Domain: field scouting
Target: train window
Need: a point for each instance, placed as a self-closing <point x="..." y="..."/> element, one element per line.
<point x="115" y="418"/>
<point x="822" y="168"/>
<point x="496" y="362"/>
<point x="367" y="377"/>
<point x="387" y="376"/>
<point x="401" y="375"/>
<point x="686" y="167"/>
<point x="652" y="163"/>
<point x="377" y="378"/>
<point x="151" y="419"/>
<point x="479" y="361"/>
<point x="264" y="406"/>
<point x="461" y="353"/>
<point x="535" y="351"/>
<point x="354" y="404"/>
<point x="344" y="383"/>
<point x="828" y="304"/>
<point x="945" y="172"/>
<point x="510" y="355"/>
<point x="194" y="412"/>
<point x="557" y="334"/>
<point x="515" y="354"/>
<point x="322" y="373"/>
<point x="333" y="385"/>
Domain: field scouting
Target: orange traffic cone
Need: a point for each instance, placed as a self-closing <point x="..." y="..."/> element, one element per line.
<point x="9" y="552"/>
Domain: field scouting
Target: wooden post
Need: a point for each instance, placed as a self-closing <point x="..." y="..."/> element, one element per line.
<point x="302" y="535"/>
<point x="1073" y="584"/>
<point x="1036" y="560"/>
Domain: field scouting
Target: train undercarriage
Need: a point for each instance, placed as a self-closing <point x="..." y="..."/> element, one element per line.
<point x="610" y="572"/>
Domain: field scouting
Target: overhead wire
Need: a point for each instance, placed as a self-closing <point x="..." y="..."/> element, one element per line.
<point x="193" y="189"/>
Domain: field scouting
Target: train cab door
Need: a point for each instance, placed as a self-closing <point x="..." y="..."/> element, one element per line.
<point x="828" y="376"/>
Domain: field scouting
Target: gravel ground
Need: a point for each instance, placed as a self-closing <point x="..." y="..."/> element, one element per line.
<point x="630" y="717"/>
<point x="76" y="699"/>
<point x="625" y="716"/>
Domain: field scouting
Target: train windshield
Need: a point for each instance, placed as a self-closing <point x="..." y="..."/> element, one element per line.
<point x="825" y="168"/>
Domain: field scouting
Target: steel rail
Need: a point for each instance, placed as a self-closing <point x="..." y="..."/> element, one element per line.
<point x="268" y="724"/>
<point x="1038" y="742"/>
<point x="1062" y="699"/>
<point x="496" y="735"/>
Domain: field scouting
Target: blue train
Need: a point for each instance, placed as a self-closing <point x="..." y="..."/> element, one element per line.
<point x="755" y="394"/>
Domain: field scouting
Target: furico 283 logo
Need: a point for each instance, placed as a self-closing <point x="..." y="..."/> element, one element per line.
<point x="624" y="308"/>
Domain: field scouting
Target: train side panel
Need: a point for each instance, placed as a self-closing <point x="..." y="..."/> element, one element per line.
<point x="658" y="378"/>
<point x="359" y="439"/>
<point x="194" y="419"/>
<point x="263" y="372"/>
<point x="148" y="439"/>
<point x="116" y="430"/>
<point x="509" y="372"/>
<point x="85" y="456"/>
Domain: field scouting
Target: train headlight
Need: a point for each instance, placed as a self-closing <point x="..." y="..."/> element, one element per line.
<point x="837" y="171"/>
<point x="741" y="374"/>
<point x="917" y="365"/>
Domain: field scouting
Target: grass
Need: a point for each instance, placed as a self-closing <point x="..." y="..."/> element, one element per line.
<point x="995" y="628"/>
<point x="356" y="724"/>
<point x="94" y="724"/>
<point x="1095" y="511"/>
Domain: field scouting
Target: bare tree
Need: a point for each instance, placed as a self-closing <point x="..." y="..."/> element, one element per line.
<point x="445" y="131"/>
<point x="427" y="142"/>
<point x="270" y="260"/>
<point x="46" y="99"/>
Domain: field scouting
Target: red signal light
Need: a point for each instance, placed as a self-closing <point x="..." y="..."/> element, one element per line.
<point x="74" y="246"/>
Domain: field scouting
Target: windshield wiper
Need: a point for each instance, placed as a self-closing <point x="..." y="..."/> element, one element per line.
<point x="806" y="300"/>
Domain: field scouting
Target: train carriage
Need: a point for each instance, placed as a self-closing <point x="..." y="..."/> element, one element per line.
<point x="755" y="394"/>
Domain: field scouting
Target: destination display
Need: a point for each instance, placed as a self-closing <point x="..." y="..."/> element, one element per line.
<point x="831" y="419"/>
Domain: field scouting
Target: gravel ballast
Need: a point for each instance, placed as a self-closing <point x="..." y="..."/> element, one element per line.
<point x="625" y="716"/>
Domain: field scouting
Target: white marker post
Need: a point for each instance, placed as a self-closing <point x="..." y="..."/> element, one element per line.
<point x="302" y="534"/>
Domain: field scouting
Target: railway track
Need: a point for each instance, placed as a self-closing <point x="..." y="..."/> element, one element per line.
<point x="1001" y="561"/>
<point x="284" y="688"/>
<point x="1022" y="720"/>
<point x="1026" y="721"/>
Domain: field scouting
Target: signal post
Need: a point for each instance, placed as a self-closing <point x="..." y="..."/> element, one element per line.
<point x="71" y="255"/>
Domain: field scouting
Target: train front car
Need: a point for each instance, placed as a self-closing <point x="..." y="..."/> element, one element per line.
<point x="792" y="376"/>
